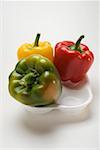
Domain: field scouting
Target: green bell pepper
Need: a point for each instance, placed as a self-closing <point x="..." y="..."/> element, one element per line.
<point x="35" y="81"/>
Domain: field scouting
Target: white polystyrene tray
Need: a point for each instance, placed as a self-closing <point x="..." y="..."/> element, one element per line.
<point x="71" y="100"/>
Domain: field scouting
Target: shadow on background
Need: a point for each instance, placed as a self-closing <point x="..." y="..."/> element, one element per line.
<point x="47" y="123"/>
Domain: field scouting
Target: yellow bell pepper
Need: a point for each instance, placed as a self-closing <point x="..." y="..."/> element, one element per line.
<point x="42" y="48"/>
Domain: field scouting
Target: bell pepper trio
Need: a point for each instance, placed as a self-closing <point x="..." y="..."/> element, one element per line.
<point x="36" y="79"/>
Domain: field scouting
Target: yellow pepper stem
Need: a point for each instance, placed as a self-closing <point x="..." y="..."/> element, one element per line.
<point x="37" y="39"/>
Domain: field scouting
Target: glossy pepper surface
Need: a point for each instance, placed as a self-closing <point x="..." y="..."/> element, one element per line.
<point x="35" y="81"/>
<point x="43" y="48"/>
<point x="72" y="60"/>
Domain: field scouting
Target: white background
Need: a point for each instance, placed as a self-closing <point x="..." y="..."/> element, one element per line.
<point x="56" y="21"/>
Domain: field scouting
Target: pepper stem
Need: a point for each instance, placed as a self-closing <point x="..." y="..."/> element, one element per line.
<point x="77" y="44"/>
<point x="36" y="43"/>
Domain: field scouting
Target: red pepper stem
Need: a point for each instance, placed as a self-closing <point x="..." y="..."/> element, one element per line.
<point x="36" y="43"/>
<point x="77" y="44"/>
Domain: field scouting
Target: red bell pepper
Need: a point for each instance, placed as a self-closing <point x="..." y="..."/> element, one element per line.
<point x="72" y="60"/>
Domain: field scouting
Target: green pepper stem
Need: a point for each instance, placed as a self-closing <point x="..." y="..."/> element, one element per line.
<point x="36" y="43"/>
<point x="77" y="44"/>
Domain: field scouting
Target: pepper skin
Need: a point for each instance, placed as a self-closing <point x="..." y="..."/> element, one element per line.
<point x="72" y="60"/>
<point x="42" y="48"/>
<point x="35" y="81"/>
